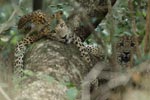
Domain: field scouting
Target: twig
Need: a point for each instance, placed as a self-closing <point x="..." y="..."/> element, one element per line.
<point x="10" y="23"/>
<point x="5" y="26"/>
<point x="134" y="28"/>
<point x="4" y="94"/>
<point x="147" y="36"/>
<point x="112" y="31"/>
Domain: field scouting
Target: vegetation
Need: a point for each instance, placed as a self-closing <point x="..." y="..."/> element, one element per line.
<point x="130" y="17"/>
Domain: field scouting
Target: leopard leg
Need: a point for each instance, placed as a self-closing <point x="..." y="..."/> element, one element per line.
<point x="96" y="51"/>
<point x="19" y="55"/>
<point x="79" y="44"/>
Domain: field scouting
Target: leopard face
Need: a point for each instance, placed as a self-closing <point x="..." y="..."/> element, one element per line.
<point x="125" y="48"/>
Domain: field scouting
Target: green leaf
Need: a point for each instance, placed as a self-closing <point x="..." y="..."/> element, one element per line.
<point x="72" y="93"/>
<point x="47" y="78"/>
<point x="28" y="72"/>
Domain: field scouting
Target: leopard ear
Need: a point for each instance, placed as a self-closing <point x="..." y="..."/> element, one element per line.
<point x="58" y="14"/>
<point x="140" y="38"/>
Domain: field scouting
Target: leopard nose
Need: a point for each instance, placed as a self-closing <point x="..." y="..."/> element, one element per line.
<point x="126" y="57"/>
<point x="126" y="53"/>
<point x="65" y="39"/>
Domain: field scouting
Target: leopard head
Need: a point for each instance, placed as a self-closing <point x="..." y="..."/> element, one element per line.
<point x="62" y="32"/>
<point x="125" y="48"/>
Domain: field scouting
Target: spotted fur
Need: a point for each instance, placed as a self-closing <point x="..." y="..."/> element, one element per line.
<point x="125" y="49"/>
<point x="41" y="25"/>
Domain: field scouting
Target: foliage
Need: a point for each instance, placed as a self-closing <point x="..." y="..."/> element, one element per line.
<point x="72" y="93"/>
<point x="117" y="22"/>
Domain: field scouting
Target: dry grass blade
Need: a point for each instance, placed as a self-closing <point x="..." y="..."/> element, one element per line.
<point x="4" y="94"/>
<point x="9" y="23"/>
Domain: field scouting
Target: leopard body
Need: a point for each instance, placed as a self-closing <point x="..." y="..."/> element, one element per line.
<point x="37" y="25"/>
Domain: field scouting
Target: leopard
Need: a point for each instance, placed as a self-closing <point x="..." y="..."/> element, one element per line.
<point x="37" y="25"/>
<point x="34" y="26"/>
<point x="126" y="48"/>
<point x="125" y="51"/>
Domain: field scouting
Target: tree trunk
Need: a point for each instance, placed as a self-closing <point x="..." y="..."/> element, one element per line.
<point x="53" y="64"/>
<point x="90" y="13"/>
<point x="147" y="33"/>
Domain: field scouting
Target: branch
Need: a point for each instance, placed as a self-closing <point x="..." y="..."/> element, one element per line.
<point x="134" y="28"/>
<point x="119" y="79"/>
<point x="87" y="10"/>
<point x="89" y="78"/>
<point x="4" y="94"/>
<point x="147" y="36"/>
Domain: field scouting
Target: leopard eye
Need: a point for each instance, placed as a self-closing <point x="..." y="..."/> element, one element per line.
<point x="121" y="44"/>
<point x="61" y="25"/>
<point x="53" y="31"/>
<point x="132" y="44"/>
<point x="61" y="12"/>
<point x="53" y="16"/>
<point x="64" y="37"/>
